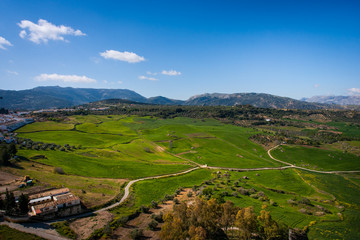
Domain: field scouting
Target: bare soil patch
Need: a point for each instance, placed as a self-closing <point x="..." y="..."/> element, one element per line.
<point x="83" y="227"/>
<point x="142" y="221"/>
<point x="8" y="181"/>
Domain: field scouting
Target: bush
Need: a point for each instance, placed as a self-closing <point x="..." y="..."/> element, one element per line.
<point x="190" y="194"/>
<point x="123" y="220"/>
<point x="158" y="217"/>
<point x="144" y="209"/>
<point x="59" y="170"/>
<point x="152" y="225"/>
<point x="176" y="201"/>
<point x="136" y="234"/>
<point x="154" y="204"/>
<point x="305" y="201"/>
<point x="168" y="197"/>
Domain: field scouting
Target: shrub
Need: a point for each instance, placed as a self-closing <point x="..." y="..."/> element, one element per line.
<point x="190" y="194"/>
<point x="154" y="204"/>
<point x="305" y="201"/>
<point x="123" y="220"/>
<point x="136" y="234"/>
<point x="152" y="225"/>
<point x="176" y="201"/>
<point x="158" y="217"/>
<point x="59" y="170"/>
<point x="144" y="209"/>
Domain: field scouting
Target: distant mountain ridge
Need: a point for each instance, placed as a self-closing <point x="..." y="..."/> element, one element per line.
<point x="340" y="100"/>
<point x="59" y="97"/>
<point x="261" y="100"/>
<point x="55" y="97"/>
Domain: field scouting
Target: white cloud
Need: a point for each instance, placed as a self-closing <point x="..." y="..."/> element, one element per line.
<point x="119" y="82"/>
<point x="12" y="72"/>
<point x="316" y="85"/>
<point x="151" y="73"/>
<point x="64" y="78"/>
<point x="170" y="73"/>
<point x="129" y="57"/>
<point x="44" y="31"/>
<point x="147" y="78"/>
<point x="4" y="42"/>
<point x="354" y="91"/>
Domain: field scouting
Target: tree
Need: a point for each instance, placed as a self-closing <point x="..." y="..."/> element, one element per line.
<point x="246" y="222"/>
<point x="12" y="149"/>
<point x="10" y="204"/>
<point x="228" y="215"/>
<point x="197" y="233"/>
<point x="4" y="156"/>
<point x="2" y="205"/>
<point x="23" y="204"/>
<point x="270" y="228"/>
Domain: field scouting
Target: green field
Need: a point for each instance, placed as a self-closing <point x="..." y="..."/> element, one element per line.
<point x="114" y="148"/>
<point x="7" y="233"/>
<point x="133" y="147"/>
<point x="319" y="159"/>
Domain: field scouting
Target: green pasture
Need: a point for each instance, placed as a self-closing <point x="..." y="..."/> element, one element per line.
<point x="347" y="129"/>
<point x="316" y="158"/>
<point x="7" y="233"/>
<point x="45" y="126"/>
<point x="77" y="138"/>
<point x="104" y="167"/>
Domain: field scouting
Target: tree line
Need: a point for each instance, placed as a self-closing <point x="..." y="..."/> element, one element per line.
<point x="208" y="219"/>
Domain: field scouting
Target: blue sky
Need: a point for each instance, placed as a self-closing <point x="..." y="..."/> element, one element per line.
<point x="182" y="48"/>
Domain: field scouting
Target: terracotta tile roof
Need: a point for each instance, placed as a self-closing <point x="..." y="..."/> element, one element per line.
<point x="44" y="205"/>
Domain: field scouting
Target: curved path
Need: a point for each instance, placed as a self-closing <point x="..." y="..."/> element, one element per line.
<point x="127" y="192"/>
<point x="306" y="169"/>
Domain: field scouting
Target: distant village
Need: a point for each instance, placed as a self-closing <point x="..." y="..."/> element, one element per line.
<point x="11" y="122"/>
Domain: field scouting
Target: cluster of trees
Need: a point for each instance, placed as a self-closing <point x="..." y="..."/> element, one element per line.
<point x="11" y="207"/>
<point x="207" y="219"/>
<point x="29" y="144"/>
<point x="7" y="151"/>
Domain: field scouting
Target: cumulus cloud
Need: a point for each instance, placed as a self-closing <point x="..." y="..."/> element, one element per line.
<point x="170" y="72"/>
<point x="147" y="78"/>
<point x="64" y="78"/>
<point x="4" y="42"/>
<point x="44" y="31"/>
<point x="129" y="57"/>
<point x="354" y="91"/>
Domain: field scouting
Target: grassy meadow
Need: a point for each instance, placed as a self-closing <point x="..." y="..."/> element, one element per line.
<point x="319" y="159"/>
<point x="110" y="150"/>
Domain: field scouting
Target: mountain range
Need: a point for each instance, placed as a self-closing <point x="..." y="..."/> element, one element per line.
<point x="340" y="100"/>
<point x="59" y="97"/>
